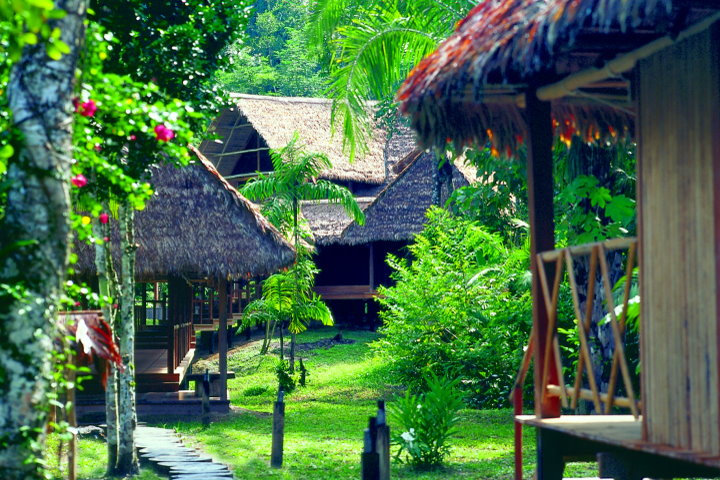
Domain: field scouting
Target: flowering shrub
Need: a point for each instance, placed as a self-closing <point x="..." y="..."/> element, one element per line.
<point x="426" y="422"/>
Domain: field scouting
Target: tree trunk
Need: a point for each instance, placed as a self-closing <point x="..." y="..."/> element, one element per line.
<point x="127" y="462"/>
<point x="282" y="341"/>
<point x="108" y="287"/>
<point x="34" y="234"/>
<point x="292" y="353"/>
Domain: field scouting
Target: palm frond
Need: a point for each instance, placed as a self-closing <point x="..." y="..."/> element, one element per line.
<point x="375" y="55"/>
<point x="334" y="193"/>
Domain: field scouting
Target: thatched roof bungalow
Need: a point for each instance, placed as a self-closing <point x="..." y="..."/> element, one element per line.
<point x="259" y="123"/>
<point x="398" y="211"/>
<point x="196" y="227"/>
<point x="351" y="257"/>
<point x="525" y="71"/>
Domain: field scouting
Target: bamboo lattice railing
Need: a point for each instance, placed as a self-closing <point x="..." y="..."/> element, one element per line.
<point x="562" y="260"/>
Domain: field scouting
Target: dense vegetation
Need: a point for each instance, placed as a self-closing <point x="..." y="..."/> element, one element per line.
<point x="460" y="307"/>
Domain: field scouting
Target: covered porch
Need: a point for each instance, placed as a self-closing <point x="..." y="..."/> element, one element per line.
<point x="647" y="70"/>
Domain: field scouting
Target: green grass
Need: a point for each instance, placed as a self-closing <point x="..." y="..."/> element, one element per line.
<point x="324" y="421"/>
<point x="92" y="461"/>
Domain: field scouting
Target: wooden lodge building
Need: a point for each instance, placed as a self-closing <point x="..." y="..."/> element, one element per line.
<point x="393" y="183"/>
<point x="197" y="230"/>
<point x="526" y="72"/>
<point x="351" y="257"/>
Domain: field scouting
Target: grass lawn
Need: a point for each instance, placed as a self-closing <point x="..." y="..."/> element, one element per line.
<point x="92" y="461"/>
<point x="324" y="421"/>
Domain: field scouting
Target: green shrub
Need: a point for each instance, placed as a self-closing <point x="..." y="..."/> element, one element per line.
<point x="423" y="424"/>
<point x="255" y="391"/>
<point x="461" y="308"/>
<point x="285" y="381"/>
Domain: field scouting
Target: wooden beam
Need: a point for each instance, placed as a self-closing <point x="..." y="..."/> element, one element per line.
<point x="222" y="336"/>
<point x="542" y="238"/>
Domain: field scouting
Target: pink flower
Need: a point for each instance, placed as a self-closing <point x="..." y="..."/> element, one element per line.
<point x="97" y="147"/>
<point x="79" y="180"/>
<point x="106" y="239"/>
<point x="163" y="134"/>
<point x="88" y="109"/>
<point x="77" y="304"/>
<point x="115" y="306"/>
<point x="104" y="218"/>
<point x="132" y="138"/>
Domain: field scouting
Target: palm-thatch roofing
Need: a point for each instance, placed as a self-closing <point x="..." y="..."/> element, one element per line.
<point x="276" y="119"/>
<point x="328" y="220"/>
<point x="471" y="90"/>
<point x="198" y="226"/>
<point x="398" y="212"/>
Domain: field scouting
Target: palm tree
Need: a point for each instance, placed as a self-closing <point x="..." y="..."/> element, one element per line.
<point x="289" y="296"/>
<point x="375" y="45"/>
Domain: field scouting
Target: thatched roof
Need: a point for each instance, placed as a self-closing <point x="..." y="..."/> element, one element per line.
<point x="197" y="225"/>
<point x="276" y="119"/>
<point x="398" y="212"/>
<point x="328" y="220"/>
<point x="471" y="89"/>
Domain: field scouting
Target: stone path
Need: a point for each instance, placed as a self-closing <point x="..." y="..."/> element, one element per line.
<point x="164" y="450"/>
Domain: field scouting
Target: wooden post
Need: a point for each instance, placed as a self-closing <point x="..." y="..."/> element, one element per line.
<point x="517" y="410"/>
<point x="206" y="398"/>
<point x="222" y="336"/>
<point x="542" y="238"/>
<point x="382" y="442"/>
<point x="303" y="374"/>
<point x="170" y="323"/>
<point x="72" y="421"/>
<point x="370" y="459"/>
<point x="278" y="431"/>
<point x="371" y="266"/>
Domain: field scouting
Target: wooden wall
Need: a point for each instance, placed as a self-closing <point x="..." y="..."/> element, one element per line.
<point x="679" y="126"/>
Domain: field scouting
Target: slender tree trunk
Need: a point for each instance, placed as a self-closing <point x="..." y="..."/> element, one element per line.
<point x="269" y="330"/>
<point x="34" y="234"/>
<point x="282" y="342"/>
<point x="296" y="238"/>
<point x="292" y="353"/>
<point x="108" y="287"/>
<point x="127" y="417"/>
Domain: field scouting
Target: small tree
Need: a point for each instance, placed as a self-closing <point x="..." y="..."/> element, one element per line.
<point x="295" y="178"/>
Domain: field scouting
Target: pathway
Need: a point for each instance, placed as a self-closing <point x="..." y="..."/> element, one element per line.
<point x="164" y="450"/>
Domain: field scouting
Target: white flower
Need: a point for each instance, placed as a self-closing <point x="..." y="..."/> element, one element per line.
<point x="419" y="406"/>
<point x="408" y="436"/>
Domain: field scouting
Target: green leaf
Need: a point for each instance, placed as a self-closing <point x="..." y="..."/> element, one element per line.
<point x="6" y="151"/>
<point x="53" y="52"/>
<point x="29" y="38"/>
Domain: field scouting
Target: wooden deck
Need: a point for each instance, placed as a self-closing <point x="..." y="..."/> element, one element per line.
<point x="585" y="436"/>
<point x="151" y="373"/>
<point x="345" y="292"/>
<point x="182" y="403"/>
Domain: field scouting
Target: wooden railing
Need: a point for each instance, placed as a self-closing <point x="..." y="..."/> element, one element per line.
<point x="554" y="263"/>
<point x="179" y="340"/>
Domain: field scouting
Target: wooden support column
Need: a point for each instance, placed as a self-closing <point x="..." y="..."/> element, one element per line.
<point x="222" y="336"/>
<point x="372" y="266"/>
<point x="170" y="318"/>
<point x="542" y="237"/>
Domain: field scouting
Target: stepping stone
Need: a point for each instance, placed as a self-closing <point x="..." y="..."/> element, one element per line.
<point x="149" y="451"/>
<point x="201" y="476"/>
<point x="178" y="458"/>
<point x="164" y="449"/>
<point x="198" y="467"/>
